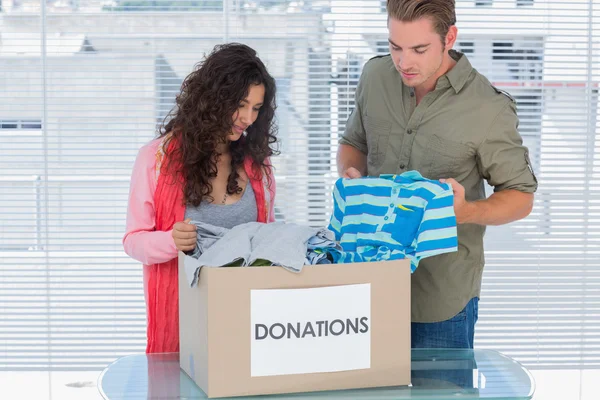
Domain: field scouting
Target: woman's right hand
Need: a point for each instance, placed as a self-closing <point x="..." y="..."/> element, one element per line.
<point x="184" y="235"/>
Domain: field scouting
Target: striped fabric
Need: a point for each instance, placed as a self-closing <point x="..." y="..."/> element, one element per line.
<point x="393" y="217"/>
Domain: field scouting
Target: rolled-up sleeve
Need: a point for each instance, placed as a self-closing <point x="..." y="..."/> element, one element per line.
<point x="503" y="160"/>
<point x="354" y="134"/>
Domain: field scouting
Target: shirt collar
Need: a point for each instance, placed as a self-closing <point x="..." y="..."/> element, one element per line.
<point x="459" y="74"/>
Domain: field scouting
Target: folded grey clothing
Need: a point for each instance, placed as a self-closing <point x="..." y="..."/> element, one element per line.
<point x="206" y="236"/>
<point x="283" y="244"/>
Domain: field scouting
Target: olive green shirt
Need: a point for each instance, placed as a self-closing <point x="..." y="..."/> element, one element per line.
<point x="464" y="129"/>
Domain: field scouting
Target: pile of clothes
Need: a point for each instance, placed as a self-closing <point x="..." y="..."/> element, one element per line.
<point x="382" y="218"/>
<point x="288" y="245"/>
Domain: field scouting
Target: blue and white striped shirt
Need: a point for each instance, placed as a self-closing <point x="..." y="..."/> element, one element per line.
<point x="393" y="217"/>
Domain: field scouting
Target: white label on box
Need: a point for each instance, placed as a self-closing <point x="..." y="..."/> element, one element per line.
<point x="301" y="331"/>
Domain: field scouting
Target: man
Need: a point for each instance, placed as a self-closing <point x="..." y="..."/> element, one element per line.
<point x="425" y="108"/>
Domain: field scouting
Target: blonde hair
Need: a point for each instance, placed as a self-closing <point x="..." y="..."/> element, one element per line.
<point x="441" y="12"/>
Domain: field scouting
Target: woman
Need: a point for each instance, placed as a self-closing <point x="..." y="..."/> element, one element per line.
<point x="210" y="163"/>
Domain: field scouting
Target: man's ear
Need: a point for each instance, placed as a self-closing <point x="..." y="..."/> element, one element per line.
<point x="451" y="37"/>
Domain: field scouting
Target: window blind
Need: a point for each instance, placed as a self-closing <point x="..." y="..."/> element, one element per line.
<point x="84" y="84"/>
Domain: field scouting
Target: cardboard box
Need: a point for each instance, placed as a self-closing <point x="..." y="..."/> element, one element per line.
<point x="265" y="330"/>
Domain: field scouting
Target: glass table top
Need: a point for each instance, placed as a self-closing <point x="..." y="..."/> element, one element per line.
<point x="435" y="374"/>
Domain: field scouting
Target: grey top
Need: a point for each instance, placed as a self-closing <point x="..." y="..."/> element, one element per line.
<point x="226" y="215"/>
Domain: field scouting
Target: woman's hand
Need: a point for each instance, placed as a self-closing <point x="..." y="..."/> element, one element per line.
<point x="184" y="235"/>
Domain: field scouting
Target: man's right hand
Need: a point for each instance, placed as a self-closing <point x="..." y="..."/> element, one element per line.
<point x="184" y="235"/>
<point x="351" y="173"/>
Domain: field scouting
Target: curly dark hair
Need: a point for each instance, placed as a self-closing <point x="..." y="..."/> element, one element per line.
<point x="202" y="118"/>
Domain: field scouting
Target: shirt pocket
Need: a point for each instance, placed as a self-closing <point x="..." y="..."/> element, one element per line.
<point x="407" y="219"/>
<point x="378" y="135"/>
<point x="447" y="158"/>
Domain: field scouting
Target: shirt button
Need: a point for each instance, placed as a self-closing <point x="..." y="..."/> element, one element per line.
<point x="392" y="205"/>
<point x="402" y="166"/>
<point x="409" y="131"/>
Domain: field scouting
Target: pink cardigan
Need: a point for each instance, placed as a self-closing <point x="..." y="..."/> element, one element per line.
<point x="154" y="206"/>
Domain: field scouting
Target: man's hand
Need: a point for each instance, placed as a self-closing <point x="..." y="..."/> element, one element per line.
<point x="462" y="208"/>
<point x="351" y="173"/>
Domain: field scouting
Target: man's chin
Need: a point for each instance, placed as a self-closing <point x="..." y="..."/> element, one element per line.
<point x="411" y="83"/>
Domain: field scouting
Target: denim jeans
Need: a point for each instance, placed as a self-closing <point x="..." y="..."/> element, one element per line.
<point x="456" y="332"/>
